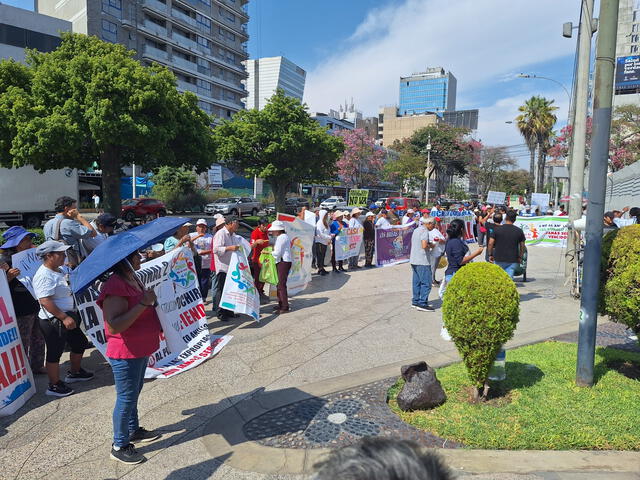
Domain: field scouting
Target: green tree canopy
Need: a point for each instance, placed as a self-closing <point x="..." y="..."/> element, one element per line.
<point x="494" y="163"/>
<point x="91" y="101"/>
<point x="280" y="144"/>
<point x="177" y="188"/>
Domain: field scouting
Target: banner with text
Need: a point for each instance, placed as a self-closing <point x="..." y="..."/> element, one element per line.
<point x="301" y="236"/>
<point x="358" y="197"/>
<point x="185" y="341"/>
<point x="541" y="200"/>
<point x="393" y="244"/>
<point x="240" y="294"/>
<point x="544" y="231"/>
<point x="466" y="216"/>
<point x="496" y="198"/>
<point x="16" y="378"/>
<point x="348" y="243"/>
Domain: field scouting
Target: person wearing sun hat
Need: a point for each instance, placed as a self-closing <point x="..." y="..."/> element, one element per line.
<point x="16" y="240"/>
<point x="354" y="222"/>
<point x="282" y="254"/>
<point x="336" y="226"/>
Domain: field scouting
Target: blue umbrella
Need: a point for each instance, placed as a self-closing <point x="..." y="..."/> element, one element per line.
<point x="120" y="246"/>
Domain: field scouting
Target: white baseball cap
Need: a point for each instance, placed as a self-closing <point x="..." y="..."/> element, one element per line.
<point x="201" y="221"/>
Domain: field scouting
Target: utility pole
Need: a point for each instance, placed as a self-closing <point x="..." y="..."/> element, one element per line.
<point x="133" y="181"/>
<point x="427" y="171"/>
<point x="579" y="134"/>
<point x="603" y="92"/>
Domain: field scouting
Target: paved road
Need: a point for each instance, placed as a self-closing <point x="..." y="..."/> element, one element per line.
<point x="343" y="324"/>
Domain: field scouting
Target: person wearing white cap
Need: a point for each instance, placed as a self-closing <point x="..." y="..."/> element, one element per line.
<point x="59" y="319"/>
<point x="225" y="241"/>
<point x="354" y="222"/>
<point x="179" y="238"/>
<point x="203" y="243"/>
<point x="336" y="226"/>
<point x="282" y="254"/>
<point x="420" y="260"/>
<point x="369" y="238"/>
<point x="408" y="217"/>
<point x="383" y="221"/>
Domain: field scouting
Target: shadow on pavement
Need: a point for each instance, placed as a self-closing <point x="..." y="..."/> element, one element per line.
<point x="198" y="471"/>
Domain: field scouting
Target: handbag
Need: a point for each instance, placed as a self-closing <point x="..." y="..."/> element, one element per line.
<point x="268" y="271"/>
<point x="443" y="263"/>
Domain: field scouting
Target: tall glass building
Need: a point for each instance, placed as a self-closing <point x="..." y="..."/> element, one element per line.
<point x="432" y="91"/>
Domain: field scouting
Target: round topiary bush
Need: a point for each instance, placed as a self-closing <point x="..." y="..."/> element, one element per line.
<point x="620" y="283"/>
<point x="480" y="309"/>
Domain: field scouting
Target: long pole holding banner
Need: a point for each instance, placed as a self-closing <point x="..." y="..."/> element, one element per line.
<point x="603" y="92"/>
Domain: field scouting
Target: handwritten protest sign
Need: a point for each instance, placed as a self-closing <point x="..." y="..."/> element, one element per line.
<point x="358" y="197"/>
<point x="240" y="294"/>
<point x="348" y="243"/>
<point x="541" y="200"/>
<point x="544" y="231"/>
<point x="496" y="198"/>
<point x="28" y="263"/>
<point x="393" y="244"/>
<point x="16" y="378"/>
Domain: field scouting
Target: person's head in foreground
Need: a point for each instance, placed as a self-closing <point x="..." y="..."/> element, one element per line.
<point x="376" y="458"/>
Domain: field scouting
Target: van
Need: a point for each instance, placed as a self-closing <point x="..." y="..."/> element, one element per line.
<point x="404" y="203"/>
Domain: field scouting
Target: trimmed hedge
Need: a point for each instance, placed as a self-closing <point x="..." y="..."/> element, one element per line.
<point x="480" y="309"/>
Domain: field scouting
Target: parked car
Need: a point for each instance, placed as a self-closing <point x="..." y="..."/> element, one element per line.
<point x="133" y="208"/>
<point x="291" y="205"/>
<point x="381" y="202"/>
<point x="404" y="203"/>
<point x="233" y="206"/>
<point x="334" y="202"/>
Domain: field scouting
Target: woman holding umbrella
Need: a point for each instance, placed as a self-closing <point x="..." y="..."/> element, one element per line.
<point x="132" y="330"/>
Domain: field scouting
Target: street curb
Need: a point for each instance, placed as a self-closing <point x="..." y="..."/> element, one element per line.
<point x="223" y="436"/>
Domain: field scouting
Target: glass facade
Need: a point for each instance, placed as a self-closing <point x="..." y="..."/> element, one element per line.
<point x="427" y="93"/>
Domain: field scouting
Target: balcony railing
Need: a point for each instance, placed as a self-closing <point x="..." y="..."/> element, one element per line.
<point x="185" y="18"/>
<point x="154" y="28"/>
<point x="184" y="63"/>
<point x="184" y="41"/>
<point x="153" y="52"/>
<point x="155" y="5"/>
<point x="182" y="85"/>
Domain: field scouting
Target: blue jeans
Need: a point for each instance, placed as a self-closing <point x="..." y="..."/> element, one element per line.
<point x="510" y="268"/>
<point x="205" y="283"/>
<point x="421" y="284"/>
<point x="128" y="375"/>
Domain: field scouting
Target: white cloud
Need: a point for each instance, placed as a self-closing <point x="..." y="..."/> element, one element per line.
<point x="481" y="42"/>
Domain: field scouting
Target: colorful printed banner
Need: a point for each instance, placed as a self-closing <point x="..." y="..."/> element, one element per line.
<point x="466" y="216"/>
<point x="239" y="293"/>
<point x="348" y="243"/>
<point x="301" y="236"/>
<point x="28" y="263"/>
<point x="358" y="197"/>
<point x="16" y="378"/>
<point x="185" y="341"/>
<point x="393" y="244"/>
<point x="544" y="231"/>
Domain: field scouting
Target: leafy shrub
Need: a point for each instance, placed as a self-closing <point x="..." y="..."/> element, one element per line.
<point x="620" y="282"/>
<point x="480" y="323"/>
<point x="214" y="195"/>
<point x="177" y="188"/>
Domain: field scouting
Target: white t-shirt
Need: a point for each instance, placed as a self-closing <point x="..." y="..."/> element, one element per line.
<point x="282" y="248"/>
<point x="202" y="244"/>
<point x="382" y="223"/>
<point x="438" y="249"/>
<point x="47" y="283"/>
<point x="354" y="223"/>
<point x="407" y="219"/>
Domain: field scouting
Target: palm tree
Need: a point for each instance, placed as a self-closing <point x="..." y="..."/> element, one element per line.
<point x="535" y="123"/>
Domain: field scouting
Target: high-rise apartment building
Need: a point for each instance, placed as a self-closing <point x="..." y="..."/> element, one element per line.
<point x="21" y="29"/>
<point x="431" y="91"/>
<point x="627" y="80"/>
<point x="268" y="74"/>
<point x="202" y="41"/>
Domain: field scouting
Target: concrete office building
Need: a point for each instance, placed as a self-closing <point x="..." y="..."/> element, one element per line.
<point x="266" y="75"/>
<point x="431" y="91"/>
<point x="21" y="29"/>
<point x="627" y="80"/>
<point x="202" y="41"/>
<point x="332" y="121"/>
<point x="392" y="126"/>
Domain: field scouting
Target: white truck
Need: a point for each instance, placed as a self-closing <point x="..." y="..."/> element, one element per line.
<point x="28" y="197"/>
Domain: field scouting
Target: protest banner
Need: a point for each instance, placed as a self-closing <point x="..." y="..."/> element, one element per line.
<point x="393" y="244"/>
<point x="541" y="200"/>
<point x="301" y="236"/>
<point x="358" y="197"/>
<point x="467" y="216"/>
<point x="240" y="294"/>
<point x="28" y="263"/>
<point x="185" y="341"/>
<point x="496" y="198"/>
<point x="16" y="378"/>
<point x="348" y="243"/>
<point x="544" y="231"/>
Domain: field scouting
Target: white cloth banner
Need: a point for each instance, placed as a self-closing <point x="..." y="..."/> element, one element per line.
<point x="240" y="294"/>
<point x="301" y="236"/>
<point x="16" y="378"/>
<point x="496" y="197"/>
<point x="185" y="341"/>
<point x="348" y="243"/>
<point x="544" y="231"/>
<point x="28" y="263"/>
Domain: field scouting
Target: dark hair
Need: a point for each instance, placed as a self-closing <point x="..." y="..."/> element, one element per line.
<point x="230" y="219"/>
<point x="455" y="228"/>
<point x="512" y="215"/>
<point x="378" y="458"/>
<point x="609" y="215"/>
<point x="497" y="218"/>
<point x="635" y="212"/>
<point x="263" y="221"/>
<point x="62" y="203"/>
<point x="121" y="268"/>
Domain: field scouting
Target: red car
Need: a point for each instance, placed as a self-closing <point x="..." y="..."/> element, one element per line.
<point x="403" y="203"/>
<point x="133" y="208"/>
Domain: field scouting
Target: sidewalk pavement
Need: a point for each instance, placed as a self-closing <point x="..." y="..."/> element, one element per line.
<point x="345" y="330"/>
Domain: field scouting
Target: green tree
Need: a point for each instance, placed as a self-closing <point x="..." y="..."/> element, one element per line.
<point x="90" y="101"/>
<point x="280" y="143"/>
<point x="406" y="171"/>
<point x="535" y="123"/>
<point x="513" y="181"/>
<point x="494" y="163"/>
<point x="177" y="188"/>
<point x="15" y="84"/>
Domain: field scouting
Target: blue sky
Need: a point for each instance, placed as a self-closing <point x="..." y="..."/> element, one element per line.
<point x="359" y="48"/>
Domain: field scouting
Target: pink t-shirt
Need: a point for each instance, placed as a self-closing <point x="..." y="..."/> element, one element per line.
<point x="142" y="338"/>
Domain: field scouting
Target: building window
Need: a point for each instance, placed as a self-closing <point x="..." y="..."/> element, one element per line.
<point x="634" y="48"/>
<point x="634" y="28"/>
<point x="109" y="31"/>
<point x="224" y="13"/>
<point x="112" y="7"/>
<point x="634" y="38"/>
<point x="203" y="42"/>
<point x="203" y="23"/>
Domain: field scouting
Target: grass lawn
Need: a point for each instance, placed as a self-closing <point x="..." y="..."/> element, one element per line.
<point x="543" y="409"/>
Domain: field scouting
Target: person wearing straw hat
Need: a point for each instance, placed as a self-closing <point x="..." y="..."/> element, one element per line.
<point x="59" y="319"/>
<point x="17" y="239"/>
<point x="354" y="222"/>
<point x="282" y="254"/>
<point x="336" y="226"/>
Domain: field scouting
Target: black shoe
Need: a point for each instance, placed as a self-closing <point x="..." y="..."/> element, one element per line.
<point x="128" y="455"/>
<point x="59" y="389"/>
<point x="425" y="308"/>
<point x="81" y="376"/>
<point x="142" y="435"/>
<point x="323" y="272"/>
<point x="342" y="269"/>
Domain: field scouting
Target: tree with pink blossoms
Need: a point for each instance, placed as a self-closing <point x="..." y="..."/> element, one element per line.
<point x="362" y="160"/>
